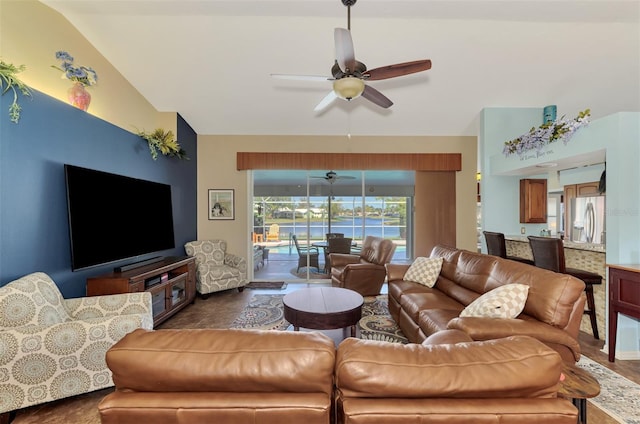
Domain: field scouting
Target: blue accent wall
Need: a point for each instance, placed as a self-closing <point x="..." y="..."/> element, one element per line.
<point x="34" y="230"/>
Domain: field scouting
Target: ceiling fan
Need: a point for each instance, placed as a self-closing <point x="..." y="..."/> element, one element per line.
<point x="349" y="75"/>
<point x="332" y="177"/>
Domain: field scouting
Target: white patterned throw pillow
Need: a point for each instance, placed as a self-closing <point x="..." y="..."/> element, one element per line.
<point x="424" y="271"/>
<point x="502" y="302"/>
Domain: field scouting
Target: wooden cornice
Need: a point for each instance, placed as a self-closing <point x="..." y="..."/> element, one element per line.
<point x="341" y="161"/>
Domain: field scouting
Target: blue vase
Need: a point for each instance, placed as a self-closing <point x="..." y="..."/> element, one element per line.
<point x="549" y="113"/>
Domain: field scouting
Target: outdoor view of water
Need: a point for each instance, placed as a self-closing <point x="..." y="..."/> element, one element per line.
<point x="349" y="226"/>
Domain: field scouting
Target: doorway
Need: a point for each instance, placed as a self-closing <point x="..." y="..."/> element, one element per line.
<point x="307" y="205"/>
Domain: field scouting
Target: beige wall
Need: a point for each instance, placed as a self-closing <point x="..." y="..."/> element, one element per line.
<point x="217" y="170"/>
<point x="31" y="33"/>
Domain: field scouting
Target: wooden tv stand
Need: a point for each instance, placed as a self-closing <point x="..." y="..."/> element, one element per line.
<point x="171" y="282"/>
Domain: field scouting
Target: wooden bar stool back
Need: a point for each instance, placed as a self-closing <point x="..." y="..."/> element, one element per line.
<point x="497" y="246"/>
<point x="548" y="253"/>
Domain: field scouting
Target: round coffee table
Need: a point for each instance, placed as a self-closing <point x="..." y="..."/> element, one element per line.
<point x="323" y="308"/>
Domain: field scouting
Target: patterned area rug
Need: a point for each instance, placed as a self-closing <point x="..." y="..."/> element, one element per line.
<point x="313" y="273"/>
<point x="265" y="312"/>
<point x="276" y="285"/>
<point x="619" y="397"/>
<point x="377" y="324"/>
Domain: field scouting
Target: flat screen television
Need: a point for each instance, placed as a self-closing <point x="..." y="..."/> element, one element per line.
<point x="114" y="217"/>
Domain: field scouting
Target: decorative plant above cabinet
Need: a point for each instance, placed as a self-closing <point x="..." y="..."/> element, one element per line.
<point x="164" y="142"/>
<point x="9" y="81"/>
<point x="547" y="133"/>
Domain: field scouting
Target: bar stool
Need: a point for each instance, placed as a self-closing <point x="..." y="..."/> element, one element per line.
<point x="548" y="253"/>
<point x="497" y="246"/>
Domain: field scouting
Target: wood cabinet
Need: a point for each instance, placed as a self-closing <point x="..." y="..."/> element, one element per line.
<point x="624" y="298"/>
<point x="533" y="201"/>
<point x="171" y="282"/>
<point x="587" y="189"/>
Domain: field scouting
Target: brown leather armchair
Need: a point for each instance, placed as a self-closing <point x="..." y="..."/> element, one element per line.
<point x="364" y="273"/>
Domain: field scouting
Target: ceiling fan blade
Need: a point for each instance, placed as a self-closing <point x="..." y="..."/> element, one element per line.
<point x="398" y="70"/>
<point x="345" y="55"/>
<point x="376" y="97"/>
<point x="302" y="77"/>
<point x="328" y="99"/>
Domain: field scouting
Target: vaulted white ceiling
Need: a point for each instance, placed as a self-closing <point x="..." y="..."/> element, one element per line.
<point x="211" y="60"/>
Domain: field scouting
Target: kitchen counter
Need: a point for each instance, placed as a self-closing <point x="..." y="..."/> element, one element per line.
<point x="592" y="247"/>
<point x="588" y="256"/>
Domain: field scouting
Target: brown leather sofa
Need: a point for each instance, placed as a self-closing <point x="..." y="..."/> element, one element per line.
<point x="365" y="272"/>
<point x="221" y="376"/>
<point x="265" y="377"/>
<point x="552" y="312"/>
<point x="450" y="379"/>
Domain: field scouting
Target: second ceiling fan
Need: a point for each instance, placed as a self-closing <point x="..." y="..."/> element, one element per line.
<point x="349" y="75"/>
<point x="332" y="176"/>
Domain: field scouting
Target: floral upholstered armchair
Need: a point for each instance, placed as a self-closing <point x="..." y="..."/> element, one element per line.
<point x="216" y="270"/>
<point x="51" y="347"/>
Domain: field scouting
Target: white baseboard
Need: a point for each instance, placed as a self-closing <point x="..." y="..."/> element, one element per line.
<point x="630" y="355"/>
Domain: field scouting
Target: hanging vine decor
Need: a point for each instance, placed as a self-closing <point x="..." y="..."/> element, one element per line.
<point x="547" y="133"/>
<point x="9" y="81"/>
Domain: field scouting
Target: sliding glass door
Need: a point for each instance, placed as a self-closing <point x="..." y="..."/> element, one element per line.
<point x="295" y="210"/>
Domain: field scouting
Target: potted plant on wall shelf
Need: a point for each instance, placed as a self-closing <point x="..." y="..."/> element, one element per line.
<point x="82" y="77"/>
<point x="9" y="81"/>
<point x="164" y="142"/>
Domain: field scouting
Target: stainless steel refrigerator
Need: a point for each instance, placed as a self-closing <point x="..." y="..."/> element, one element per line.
<point x="587" y="220"/>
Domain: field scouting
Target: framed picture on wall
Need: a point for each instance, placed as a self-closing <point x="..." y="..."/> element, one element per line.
<point x="221" y="204"/>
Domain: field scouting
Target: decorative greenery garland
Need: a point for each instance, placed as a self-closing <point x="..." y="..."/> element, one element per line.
<point x="9" y="81"/>
<point x="547" y="133"/>
<point x="164" y="142"/>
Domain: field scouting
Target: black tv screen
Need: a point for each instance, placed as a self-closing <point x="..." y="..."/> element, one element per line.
<point x="113" y="217"/>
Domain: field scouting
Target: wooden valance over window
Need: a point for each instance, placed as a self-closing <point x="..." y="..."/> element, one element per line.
<point x="337" y="161"/>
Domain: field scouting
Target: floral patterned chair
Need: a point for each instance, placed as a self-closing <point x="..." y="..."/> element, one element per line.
<point x="216" y="270"/>
<point x="52" y="348"/>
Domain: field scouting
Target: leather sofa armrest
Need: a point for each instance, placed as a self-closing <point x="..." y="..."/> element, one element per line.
<point x="363" y="271"/>
<point x="396" y="272"/>
<point x="479" y="328"/>
<point x="513" y="367"/>
<point x="339" y="260"/>
<point x="447" y="337"/>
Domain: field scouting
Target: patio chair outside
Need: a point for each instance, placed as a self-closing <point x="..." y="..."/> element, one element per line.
<point x="274" y="233"/>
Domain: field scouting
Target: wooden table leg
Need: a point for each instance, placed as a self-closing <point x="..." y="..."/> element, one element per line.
<point x="7" y="417"/>
<point x="581" y="404"/>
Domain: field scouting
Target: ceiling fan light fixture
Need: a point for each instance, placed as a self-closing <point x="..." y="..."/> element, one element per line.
<point x="348" y="88"/>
